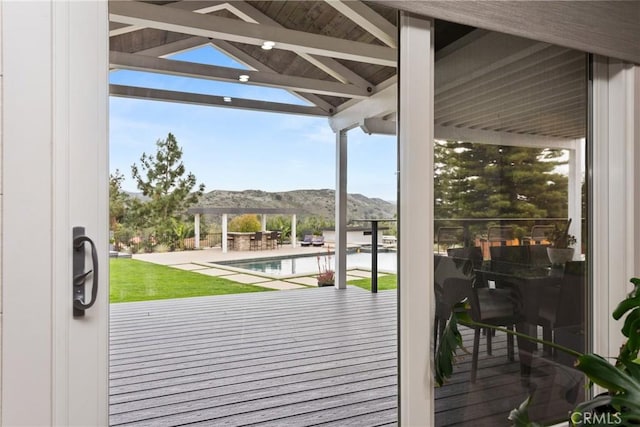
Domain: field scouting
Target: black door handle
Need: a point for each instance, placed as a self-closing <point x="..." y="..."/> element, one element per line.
<point x="79" y="275"/>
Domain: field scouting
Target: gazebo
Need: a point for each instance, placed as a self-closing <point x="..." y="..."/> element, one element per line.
<point x="197" y="211"/>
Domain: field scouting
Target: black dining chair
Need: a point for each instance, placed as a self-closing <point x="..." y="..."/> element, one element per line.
<point x="255" y="241"/>
<point x="562" y="303"/>
<point x="272" y="239"/>
<point x="491" y="306"/>
<point x="446" y="297"/>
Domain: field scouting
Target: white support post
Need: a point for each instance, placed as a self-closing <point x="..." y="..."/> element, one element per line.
<point x="341" y="211"/>
<point x="294" y="239"/>
<point x="196" y="226"/>
<point x="224" y="233"/>
<point x="264" y="222"/>
<point x="575" y="195"/>
<point x="615" y="250"/>
<point x="415" y="225"/>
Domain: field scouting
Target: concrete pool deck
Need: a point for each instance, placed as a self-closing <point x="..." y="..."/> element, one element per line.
<point x="205" y="261"/>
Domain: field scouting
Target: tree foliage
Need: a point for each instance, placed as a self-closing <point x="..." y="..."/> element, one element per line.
<point x="118" y="200"/>
<point x="162" y="178"/>
<point x="245" y="223"/>
<point x="491" y="181"/>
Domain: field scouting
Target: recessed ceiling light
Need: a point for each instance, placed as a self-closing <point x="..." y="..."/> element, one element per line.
<point x="268" y="45"/>
<point x="243" y="78"/>
<point x="227" y="99"/>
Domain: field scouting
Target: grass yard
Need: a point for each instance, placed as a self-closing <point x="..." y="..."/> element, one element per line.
<point x="133" y="280"/>
<point x="385" y="283"/>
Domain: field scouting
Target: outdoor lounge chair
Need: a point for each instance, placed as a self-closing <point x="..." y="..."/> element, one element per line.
<point x="308" y="239"/>
<point x="317" y="241"/>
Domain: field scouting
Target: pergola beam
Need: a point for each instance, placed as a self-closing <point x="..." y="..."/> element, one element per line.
<point x="186" y="22"/>
<point x="330" y="66"/>
<point x="254" y="64"/>
<point x="175" y="47"/>
<point x="368" y="19"/>
<point x="117" y="28"/>
<point x="212" y="72"/>
<point x="381" y="103"/>
<point x="212" y="100"/>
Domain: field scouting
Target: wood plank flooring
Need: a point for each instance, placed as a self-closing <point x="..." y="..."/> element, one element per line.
<point x="306" y="357"/>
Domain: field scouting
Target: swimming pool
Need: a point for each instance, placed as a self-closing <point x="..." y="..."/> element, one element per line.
<point x="309" y="264"/>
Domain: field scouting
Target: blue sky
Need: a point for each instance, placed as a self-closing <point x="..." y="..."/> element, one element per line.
<point x="232" y="149"/>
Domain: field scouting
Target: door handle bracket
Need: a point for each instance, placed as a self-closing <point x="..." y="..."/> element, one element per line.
<point x="79" y="275"/>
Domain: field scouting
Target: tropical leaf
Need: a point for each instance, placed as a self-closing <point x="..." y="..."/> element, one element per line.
<point x="446" y="353"/>
<point x="519" y="416"/>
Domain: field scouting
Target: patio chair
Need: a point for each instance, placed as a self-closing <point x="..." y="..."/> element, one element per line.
<point x="500" y="234"/>
<point x="231" y="242"/>
<point x="446" y="297"/>
<point x="538" y="234"/>
<point x="317" y="241"/>
<point x="449" y="236"/>
<point x="562" y="303"/>
<point x="255" y="241"/>
<point x="308" y="239"/>
<point x="272" y="239"/>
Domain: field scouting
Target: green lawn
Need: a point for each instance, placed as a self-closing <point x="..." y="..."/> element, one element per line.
<point x="133" y="280"/>
<point x="385" y="283"/>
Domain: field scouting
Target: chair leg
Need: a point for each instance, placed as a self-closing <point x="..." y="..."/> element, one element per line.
<point x="435" y="336"/>
<point x="510" y="345"/>
<point x="547" y="335"/>
<point x="489" y="343"/>
<point x="474" y="356"/>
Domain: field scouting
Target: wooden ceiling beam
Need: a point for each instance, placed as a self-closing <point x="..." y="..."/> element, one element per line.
<point x="248" y="60"/>
<point x="117" y="28"/>
<point x="212" y="72"/>
<point x="174" y="47"/>
<point x="212" y="100"/>
<point x="367" y="19"/>
<point x="383" y="102"/>
<point x="186" y="22"/>
<point x="330" y="66"/>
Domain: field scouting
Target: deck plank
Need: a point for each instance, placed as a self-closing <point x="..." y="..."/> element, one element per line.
<point x="293" y="358"/>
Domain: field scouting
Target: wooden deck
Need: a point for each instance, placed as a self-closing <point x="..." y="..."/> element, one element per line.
<point x="289" y="358"/>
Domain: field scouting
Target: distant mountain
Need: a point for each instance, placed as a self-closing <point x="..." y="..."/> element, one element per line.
<point x="308" y="202"/>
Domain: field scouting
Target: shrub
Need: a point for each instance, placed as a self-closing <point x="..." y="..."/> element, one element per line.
<point x="245" y="223"/>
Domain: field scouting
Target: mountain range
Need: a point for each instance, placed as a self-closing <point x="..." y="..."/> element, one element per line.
<point x="309" y="202"/>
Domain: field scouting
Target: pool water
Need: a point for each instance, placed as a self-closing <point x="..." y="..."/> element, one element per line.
<point x="309" y="264"/>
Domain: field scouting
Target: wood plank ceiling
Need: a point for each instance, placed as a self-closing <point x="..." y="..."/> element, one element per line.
<point x="335" y="53"/>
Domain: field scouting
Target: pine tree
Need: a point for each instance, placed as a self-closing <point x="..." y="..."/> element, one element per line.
<point x="490" y="181"/>
<point x="161" y="178"/>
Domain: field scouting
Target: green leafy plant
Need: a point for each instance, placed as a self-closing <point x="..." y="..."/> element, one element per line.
<point x="621" y="379"/>
<point x="560" y="237"/>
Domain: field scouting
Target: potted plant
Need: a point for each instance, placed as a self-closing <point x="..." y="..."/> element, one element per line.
<point x="560" y="251"/>
<point x="326" y="275"/>
<point x="620" y="404"/>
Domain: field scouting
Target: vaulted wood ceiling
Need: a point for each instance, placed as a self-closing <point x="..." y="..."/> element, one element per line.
<point x="338" y="53"/>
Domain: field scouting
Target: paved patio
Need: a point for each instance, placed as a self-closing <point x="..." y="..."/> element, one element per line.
<point x="206" y="261"/>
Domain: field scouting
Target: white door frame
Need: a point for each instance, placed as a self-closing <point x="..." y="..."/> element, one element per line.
<point x="615" y="208"/>
<point x="54" y="177"/>
<point x="415" y="225"/>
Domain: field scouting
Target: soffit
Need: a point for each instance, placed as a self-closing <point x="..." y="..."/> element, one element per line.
<point x="533" y="89"/>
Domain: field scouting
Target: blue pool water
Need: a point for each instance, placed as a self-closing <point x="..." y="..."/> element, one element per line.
<point x="309" y="264"/>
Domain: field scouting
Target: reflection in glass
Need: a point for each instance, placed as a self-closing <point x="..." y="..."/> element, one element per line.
<point x="510" y="120"/>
